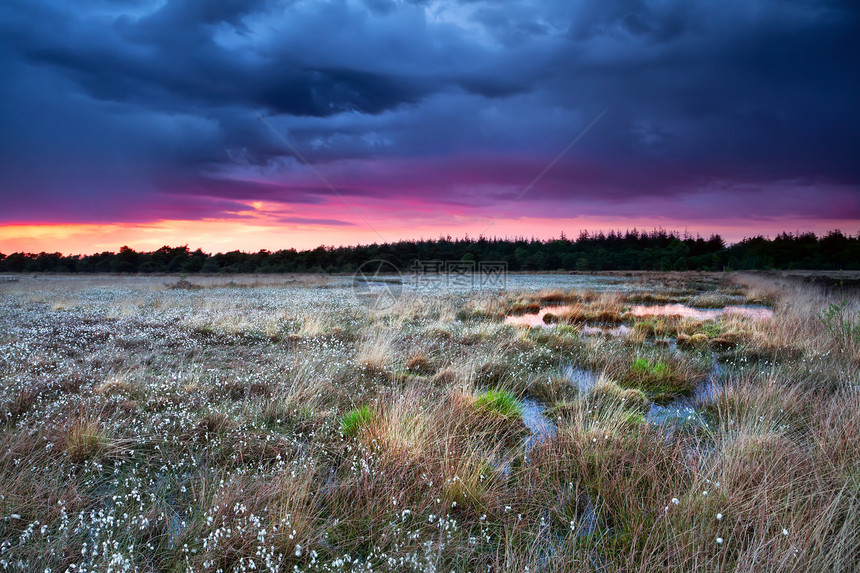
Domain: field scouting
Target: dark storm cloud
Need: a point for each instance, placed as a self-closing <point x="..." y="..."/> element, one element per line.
<point x="109" y="107"/>
<point x="170" y="60"/>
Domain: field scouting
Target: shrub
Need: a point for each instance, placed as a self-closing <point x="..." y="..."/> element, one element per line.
<point x="840" y="324"/>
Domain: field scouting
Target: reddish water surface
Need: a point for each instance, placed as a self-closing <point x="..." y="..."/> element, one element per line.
<point x="757" y="312"/>
<point x="535" y="320"/>
<point x="620" y="330"/>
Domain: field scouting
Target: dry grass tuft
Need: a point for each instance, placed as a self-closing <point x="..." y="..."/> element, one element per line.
<point x="420" y="363"/>
<point x="375" y="352"/>
<point x="87" y="440"/>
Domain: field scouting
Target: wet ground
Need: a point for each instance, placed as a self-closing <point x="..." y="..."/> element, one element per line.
<point x="539" y="320"/>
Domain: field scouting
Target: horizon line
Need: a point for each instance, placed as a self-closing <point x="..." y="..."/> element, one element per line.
<point x="685" y="235"/>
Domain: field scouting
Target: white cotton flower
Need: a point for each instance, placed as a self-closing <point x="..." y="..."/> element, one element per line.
<point x="719" y="517"/>
<point x="785" y="532"/>
<point x="719" y="540"/>
<point x="675" y="500"/>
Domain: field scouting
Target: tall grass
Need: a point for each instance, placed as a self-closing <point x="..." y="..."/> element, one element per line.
<point x="298" y="431"/>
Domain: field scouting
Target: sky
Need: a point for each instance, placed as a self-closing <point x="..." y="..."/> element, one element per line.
<point x="251" y="124"/>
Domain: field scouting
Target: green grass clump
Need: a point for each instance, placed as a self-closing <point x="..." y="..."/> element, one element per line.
<point x="500" y="402"/>
<point x="712" y="328"/>
<point x="645" y="367"/>
<point x="660" y="380"/>
<point x="354" y="420"/>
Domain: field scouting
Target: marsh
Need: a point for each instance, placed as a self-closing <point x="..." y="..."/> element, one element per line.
<point x="280" y="423"/>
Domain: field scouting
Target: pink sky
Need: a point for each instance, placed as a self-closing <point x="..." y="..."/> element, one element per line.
<point x="224" y="125"/>
<point x="256" y="231"/>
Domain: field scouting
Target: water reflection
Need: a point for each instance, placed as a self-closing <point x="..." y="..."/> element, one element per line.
<point x="539" y="320"/>
<point x="535" y="319"/>
<point x="540" y="426"/>
<point x="584" y="380"/>
<point x="620" y="330"/>
<point x="749" y="311"/>
<point x="685" y="410"/>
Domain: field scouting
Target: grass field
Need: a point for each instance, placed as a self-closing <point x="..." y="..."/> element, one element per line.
<point x="281" y="423"/>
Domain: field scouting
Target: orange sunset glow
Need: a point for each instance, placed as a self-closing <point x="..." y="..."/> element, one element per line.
<point x="246" y="128"/>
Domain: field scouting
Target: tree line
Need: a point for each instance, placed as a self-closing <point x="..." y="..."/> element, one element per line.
<point x="630" y="250"/>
